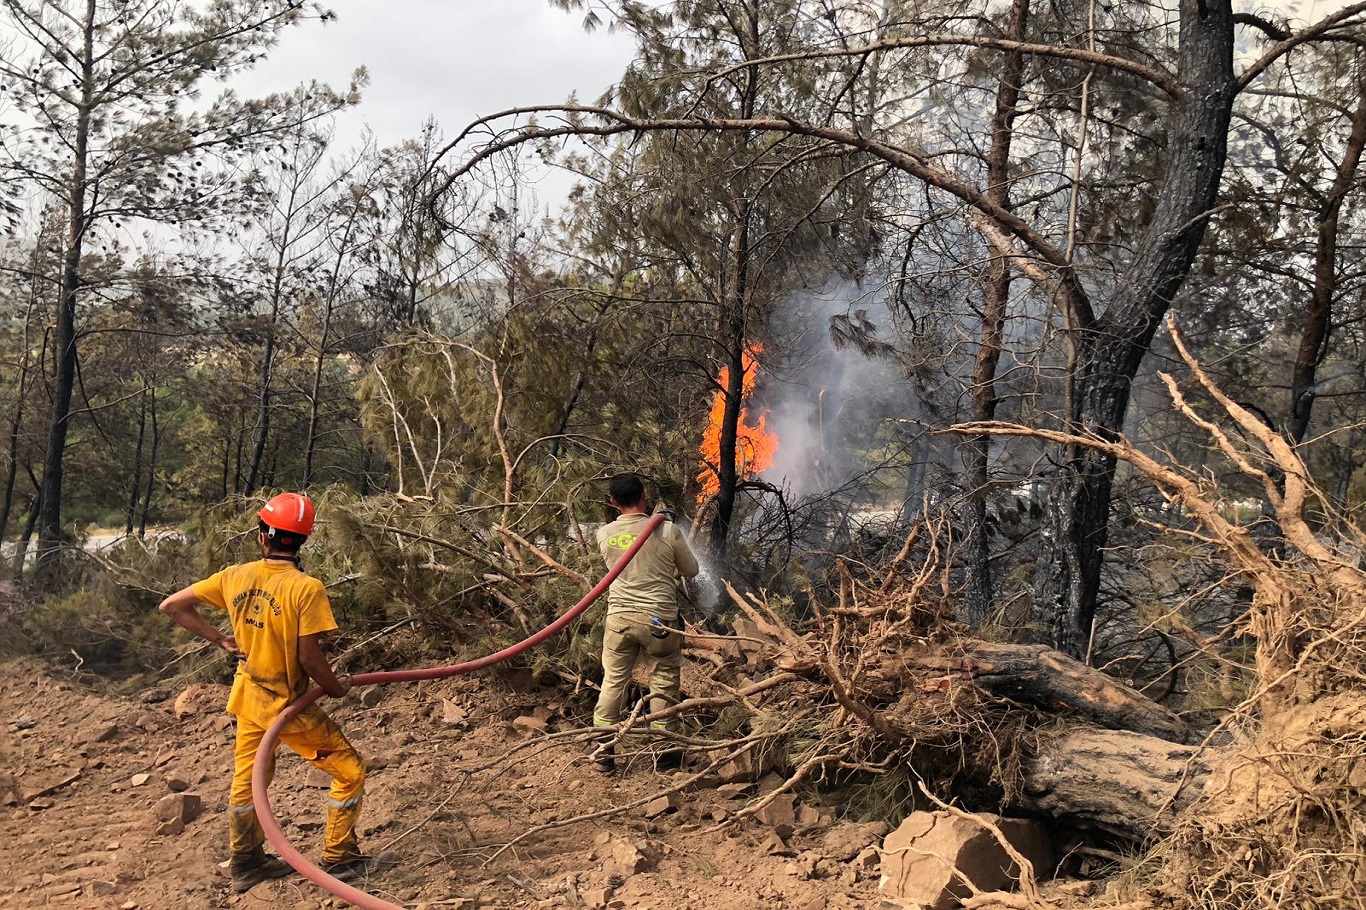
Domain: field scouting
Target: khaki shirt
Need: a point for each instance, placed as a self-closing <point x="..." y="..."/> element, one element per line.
<point x="646" y="588"/>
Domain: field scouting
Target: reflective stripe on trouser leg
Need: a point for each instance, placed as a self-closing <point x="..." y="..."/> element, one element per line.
<point x="619" y="652"/>
<point x="244" y="831"/>
<point x="327" y="749"/>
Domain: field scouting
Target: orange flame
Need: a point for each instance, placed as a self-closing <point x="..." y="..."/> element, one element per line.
<point x="755" y="446"/>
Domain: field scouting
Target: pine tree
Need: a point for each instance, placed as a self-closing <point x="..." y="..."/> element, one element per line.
<point x="113" y="125"/>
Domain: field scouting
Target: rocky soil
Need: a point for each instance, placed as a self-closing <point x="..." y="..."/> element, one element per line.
<point x="111" y="803"/>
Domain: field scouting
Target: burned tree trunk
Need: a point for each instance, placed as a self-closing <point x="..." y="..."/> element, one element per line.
<point x="1044" y="679"/>
<point x="978" y="592"/>
<point x="1110" y="350"/>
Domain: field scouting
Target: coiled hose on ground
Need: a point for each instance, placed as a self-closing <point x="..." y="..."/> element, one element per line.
<point x="259" y="783"/>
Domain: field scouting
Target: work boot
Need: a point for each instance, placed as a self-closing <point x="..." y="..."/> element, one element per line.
<point x="362" y="866"/>
<point x="250" y="869"/>
<point x="603" y="756"/>
<point x="669" y="760"/>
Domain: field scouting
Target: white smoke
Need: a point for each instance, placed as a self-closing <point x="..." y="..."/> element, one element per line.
<point x="836" y="411"/>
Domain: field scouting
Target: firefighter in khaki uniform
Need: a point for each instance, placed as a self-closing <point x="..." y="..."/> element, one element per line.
<point x="278" y="614"/>
<point x="642" y="613"/>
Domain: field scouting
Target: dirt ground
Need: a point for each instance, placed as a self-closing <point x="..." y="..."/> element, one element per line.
<point x="82" y="774"/>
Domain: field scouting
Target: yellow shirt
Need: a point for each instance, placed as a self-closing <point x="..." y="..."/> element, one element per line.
<point x="271" y="604"/>
<point x="646" y="587"/>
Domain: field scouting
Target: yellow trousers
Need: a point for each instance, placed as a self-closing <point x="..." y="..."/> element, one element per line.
<point x="325" y="747"/>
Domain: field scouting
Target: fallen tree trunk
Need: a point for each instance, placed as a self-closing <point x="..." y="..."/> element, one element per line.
<point x="1048" y="679"/>
<point x="1128" y="784"/>
<point x="955" y="707"/>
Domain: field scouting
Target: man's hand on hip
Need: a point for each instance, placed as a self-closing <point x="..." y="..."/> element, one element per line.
<point x="229" y="643"/>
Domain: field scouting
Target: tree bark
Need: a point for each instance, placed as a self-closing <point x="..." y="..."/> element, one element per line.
<point x="329" y="302"/>
<point x="1110" y="348"/>
<point x="258" y="449"/>
<point x="21" y="545"/>
<point x="1048" y="679"/>
<point x="135" y="484"/>
<point x="1318" y="322"/>
<point x="16" y="423"/>
<point x="978" y="594"/>
<point x="64" y="342"/>
<point x="581" y="380"/>
<point x="727" y="471"/>
<point x="735" y="328"/>
<point x="151" y="468"/>
<point x="1128" y="784"/>
<point x="20" y="403"/>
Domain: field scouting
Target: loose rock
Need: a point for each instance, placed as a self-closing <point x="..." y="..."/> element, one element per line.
<point x="105" y="733"/>
<point x="665" y="803"/>
<point x="773" y="845"/>
<point x="922" y="860"/>
<point x="844" y="841"/>
<point x="170" y="828"/>
<point x="597" y="898"/>
<point x="178" y="807"/>
<point x="528" y="725"/>
<point x="626" y="858"/>
<point x="453" y="714"/>
<point x="9" y="789"/>
<point x="201" y="698"/>
<point x="868" y="859"/>
<point x="780" y="813"/>
<point x="743" y="768"/>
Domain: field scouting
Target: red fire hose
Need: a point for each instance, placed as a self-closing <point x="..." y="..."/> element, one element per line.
<point x="259" y="783"/>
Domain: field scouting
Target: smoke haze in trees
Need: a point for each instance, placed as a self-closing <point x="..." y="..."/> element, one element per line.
<point x="837" y="411"/>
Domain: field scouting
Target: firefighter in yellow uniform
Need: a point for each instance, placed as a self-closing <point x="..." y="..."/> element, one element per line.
<point x="278" y="614"/>
<point x="642" y="613"/>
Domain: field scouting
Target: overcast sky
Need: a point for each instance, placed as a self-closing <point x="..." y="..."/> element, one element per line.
<point x="458" y="59"/>
<point x="451" y="59"/>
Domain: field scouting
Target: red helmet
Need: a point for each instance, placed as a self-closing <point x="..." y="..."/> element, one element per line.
<point x="289" y="512"/>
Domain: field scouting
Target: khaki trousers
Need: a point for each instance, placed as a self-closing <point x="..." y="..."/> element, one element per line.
<point x="625" y="641"/>
<point x="326" y="748"/>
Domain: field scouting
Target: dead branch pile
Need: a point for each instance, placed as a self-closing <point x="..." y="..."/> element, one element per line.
<point x="882" y="685"/>
<point x="882" y="677"/>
